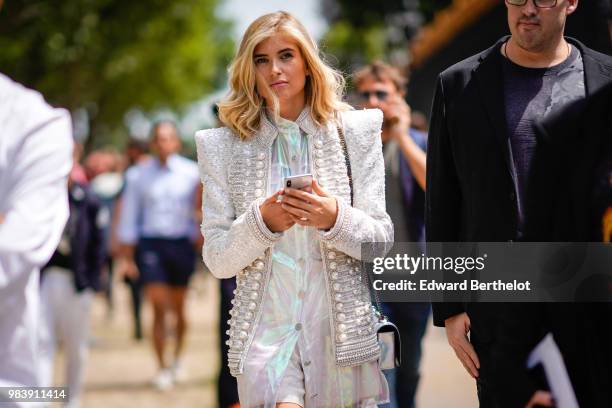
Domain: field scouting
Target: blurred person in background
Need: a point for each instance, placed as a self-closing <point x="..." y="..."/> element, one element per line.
<point x="481" y="144"/>
<point x="382" y="86"/>
<point x="136" y="151"/>
<point x="78" y="172"/>
<point x="35" y="159"/>
<point x="68" y="283"/>
<point x="103" y="167"/>
<point x="419" y="121"/>
<point x="99" y="161"/>
<point x="157" y="230"/>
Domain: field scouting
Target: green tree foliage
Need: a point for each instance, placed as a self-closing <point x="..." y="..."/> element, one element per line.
<point x="109" y="56"/>
<point x="364" y="30"/>
<point x="349" y="46"/>
<point x="357" y="31"/>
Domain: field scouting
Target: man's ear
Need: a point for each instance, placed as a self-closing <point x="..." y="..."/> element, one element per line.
<point x="571" y="6"/>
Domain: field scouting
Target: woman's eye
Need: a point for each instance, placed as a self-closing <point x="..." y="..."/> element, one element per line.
<point x="259" y="61"/>
<point x="286" y="56"/>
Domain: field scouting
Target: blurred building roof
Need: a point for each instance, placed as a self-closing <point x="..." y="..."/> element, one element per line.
<point x="445" y="26"/>
<point x="467" y="27"/>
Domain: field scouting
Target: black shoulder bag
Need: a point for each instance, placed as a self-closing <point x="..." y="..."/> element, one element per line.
<point x="387" y="333"/>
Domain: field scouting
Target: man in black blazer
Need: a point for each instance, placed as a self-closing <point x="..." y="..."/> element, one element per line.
<point x="480" y="147"/>
<point x="569" y="200"/>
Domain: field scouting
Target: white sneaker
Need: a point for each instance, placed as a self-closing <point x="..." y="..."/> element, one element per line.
<point x="179" y="374"/>
<point x="163" y="380"/>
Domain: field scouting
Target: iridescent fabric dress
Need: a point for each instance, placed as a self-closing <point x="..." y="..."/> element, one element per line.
<point x="291" y="358"/>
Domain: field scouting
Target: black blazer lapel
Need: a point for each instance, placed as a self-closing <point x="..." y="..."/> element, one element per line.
<point x="597" y="74"/>
<point x="490" y="81"/>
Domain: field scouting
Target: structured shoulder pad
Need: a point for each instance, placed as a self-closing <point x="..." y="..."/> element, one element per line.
<point x="362" y="126"/>
<point x="214" y="148"/>
<point x="214" y="143"/>
<point x="211" y="139"/>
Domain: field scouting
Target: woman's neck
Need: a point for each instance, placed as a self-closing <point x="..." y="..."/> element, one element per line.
<point x="291" y="110"/>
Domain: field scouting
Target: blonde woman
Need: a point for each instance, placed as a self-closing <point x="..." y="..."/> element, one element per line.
<point x="302" y="327"/>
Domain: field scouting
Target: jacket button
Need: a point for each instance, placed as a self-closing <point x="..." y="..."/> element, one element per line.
<point x="512" y="196"/>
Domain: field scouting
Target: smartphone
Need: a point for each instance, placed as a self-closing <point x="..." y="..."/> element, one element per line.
<point x="300" y="182"/>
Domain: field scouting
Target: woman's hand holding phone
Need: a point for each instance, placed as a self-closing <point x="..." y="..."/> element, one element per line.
<point x="274" y="216"/>
<point x="318" y="209"/>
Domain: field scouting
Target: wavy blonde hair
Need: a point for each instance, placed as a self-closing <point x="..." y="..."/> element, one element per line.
<point x="241" y="109"/>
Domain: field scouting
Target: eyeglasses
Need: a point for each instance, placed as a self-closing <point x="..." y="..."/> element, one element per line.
<point x="537" y="3"/>
<point x="380" y="95"/>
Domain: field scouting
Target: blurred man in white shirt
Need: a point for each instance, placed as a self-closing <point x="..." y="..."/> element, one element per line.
<point x="158" y="231"/>
<point x="35" y="159"/>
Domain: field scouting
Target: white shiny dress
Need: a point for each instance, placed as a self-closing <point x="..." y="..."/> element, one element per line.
<point x="291" y="358"/>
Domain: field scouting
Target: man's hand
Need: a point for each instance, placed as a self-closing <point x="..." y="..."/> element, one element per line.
<point x="397" y="117"/>
<point x="1" y="218"/>
<point x="457" y="329"/>
<point x="273" y="214"/>
<point x="540" y="399"/>
<point x="127" y="267"/>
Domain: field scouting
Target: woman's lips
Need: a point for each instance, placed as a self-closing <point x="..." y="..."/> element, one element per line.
<point x="279" y="84"/>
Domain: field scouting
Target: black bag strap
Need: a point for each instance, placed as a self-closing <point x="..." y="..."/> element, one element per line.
<point x="349" y="173"/>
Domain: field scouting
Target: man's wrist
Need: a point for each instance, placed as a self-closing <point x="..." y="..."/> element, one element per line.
<point x="400" y="130"/>
<point x="452" y="317"/>
<point x="126" y="258"/>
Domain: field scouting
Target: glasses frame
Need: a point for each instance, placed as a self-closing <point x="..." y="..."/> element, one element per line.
<point x="380" y="95"/>
<point x="535" y="3"/>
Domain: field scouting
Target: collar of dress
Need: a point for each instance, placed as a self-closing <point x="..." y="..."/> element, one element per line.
<point x="268" y="130"/>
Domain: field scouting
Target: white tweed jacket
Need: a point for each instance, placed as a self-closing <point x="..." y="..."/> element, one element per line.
<point x="236" y="178"/>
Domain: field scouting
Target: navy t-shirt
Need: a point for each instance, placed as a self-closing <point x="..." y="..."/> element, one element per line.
<point x="530" y="94"/>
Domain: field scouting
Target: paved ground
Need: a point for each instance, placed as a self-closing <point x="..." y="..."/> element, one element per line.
<point x="119" y="368"/>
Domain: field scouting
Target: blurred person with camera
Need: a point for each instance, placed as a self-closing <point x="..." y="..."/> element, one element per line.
<point x="382" y="86"/>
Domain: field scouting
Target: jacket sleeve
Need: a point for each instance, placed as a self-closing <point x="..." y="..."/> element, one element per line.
<point x="230" y="243"/>
<point x="367" y="220"/>
<point x="131" y="205"/>
<point x="443" y="195"/>
<point x="35" y="206"/>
